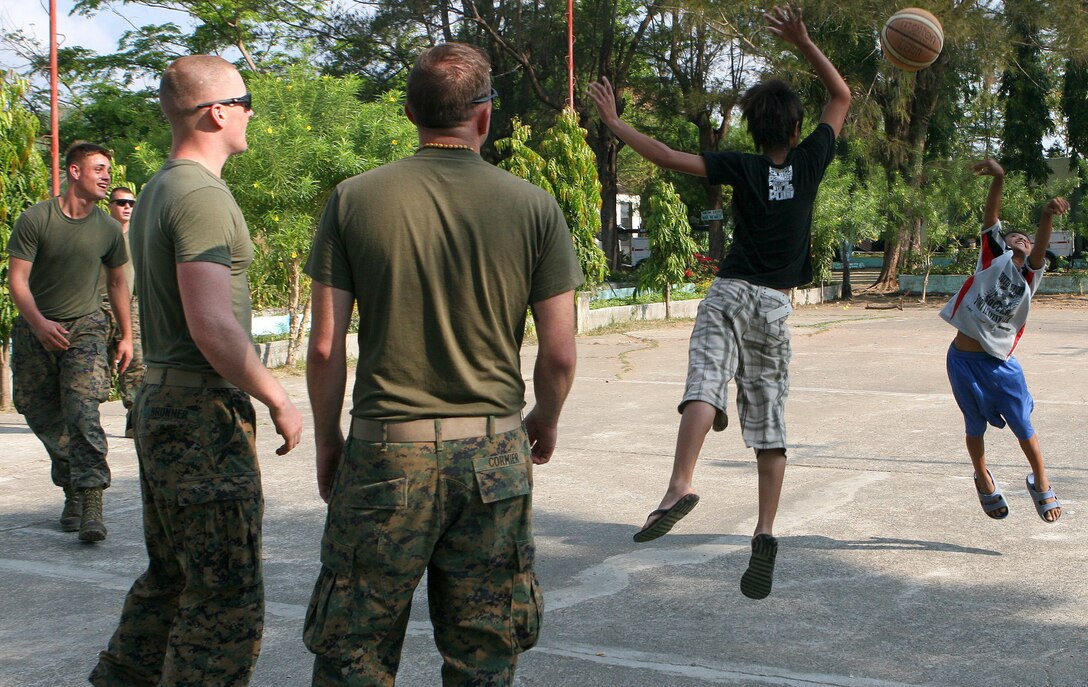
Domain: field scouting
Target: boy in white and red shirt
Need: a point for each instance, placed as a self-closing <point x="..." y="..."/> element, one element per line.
<point x="990" y="312"/>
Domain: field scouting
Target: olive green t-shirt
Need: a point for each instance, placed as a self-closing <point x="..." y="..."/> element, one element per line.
<point x="185" y="214"/>
<point x="444" y="253"/>
<point x="67" y="256"/>
<point x="130" y="273"/>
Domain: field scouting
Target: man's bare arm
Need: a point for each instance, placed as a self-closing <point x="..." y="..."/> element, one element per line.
<point x="992" y="211"/>
<point x="789" y="25"/>
<point x="1057" y="206"/>
<point x="52" y="335"/>
<point x="653" y="150"/>
<point x="326" y="377"/>
<point x="553" y="374"/>
<point x="117" y="288"/>
<point x="227" y="347"/>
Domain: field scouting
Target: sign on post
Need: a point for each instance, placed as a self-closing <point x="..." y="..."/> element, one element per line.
<point x="711" y="215"/>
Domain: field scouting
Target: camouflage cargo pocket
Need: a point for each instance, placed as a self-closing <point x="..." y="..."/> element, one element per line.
<point x="526" y="603"/>
<point x="502" y="476"/>
<point x="220" y="520"/>
<point x="355" y="584"/>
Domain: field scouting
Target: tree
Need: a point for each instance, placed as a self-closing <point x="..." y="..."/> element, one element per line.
<point x="1025" y="87"/>
<point x="672" y="250"/>
<point x="24" y="180"/>
<point x="309" y="134"/>
<point x="565" y="168"/>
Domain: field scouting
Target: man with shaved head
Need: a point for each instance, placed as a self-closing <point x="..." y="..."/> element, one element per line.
<point x="196" y="616"/>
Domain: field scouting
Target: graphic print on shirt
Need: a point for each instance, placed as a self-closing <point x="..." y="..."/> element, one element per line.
<point x="999" y="303"/>
<point x="780" y="183"/>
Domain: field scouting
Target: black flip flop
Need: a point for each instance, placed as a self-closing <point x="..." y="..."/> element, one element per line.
<point x="756" y="581"/>
<point x="669" y="517"/>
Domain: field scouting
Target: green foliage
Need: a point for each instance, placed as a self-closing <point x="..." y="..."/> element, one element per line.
<point x="24" y="180"/>
<point x="671" y="246"/>
<point x="1025" y="86"/>
<point x="847" y="208"/>
<point x="565" y="167"/>
<point x="309" y="133"/>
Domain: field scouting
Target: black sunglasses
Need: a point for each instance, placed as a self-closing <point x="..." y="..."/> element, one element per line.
<point x="245" y="101"/>
<point x="483" y="99"/>
<point x="124" y="201"/>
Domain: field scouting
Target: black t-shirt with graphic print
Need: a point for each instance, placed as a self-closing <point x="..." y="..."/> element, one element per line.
<point x="772" y="210"/>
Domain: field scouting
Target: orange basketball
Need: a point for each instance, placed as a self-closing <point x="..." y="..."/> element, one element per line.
<point x="912" y="39"/>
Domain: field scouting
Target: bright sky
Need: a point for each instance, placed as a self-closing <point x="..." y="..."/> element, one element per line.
<point x="99" y="33"/>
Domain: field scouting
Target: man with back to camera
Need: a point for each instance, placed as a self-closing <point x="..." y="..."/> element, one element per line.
<point x="196" y="616"/>
<point x="443" y="253"/>
<point x="60" y="371"/>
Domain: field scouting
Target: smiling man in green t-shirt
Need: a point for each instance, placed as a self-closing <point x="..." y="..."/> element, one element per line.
<point x="60" y="369"/>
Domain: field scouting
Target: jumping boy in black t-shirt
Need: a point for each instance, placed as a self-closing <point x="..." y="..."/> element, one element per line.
<point x="741" y="330"/>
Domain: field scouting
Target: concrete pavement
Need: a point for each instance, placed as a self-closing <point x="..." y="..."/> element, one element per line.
<point x="889" y="574"/>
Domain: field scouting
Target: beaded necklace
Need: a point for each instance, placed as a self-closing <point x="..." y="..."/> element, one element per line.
<point x="446" y="146"/>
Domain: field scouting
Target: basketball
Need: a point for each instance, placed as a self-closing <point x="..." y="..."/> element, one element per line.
<point x="912" y="39"/>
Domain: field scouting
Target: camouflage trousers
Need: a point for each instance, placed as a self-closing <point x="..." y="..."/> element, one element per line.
<point x="461" y="510"/>
<point x="58" y="392"/>
<point x="128" y="382"/>
<point x="196" y="616"/>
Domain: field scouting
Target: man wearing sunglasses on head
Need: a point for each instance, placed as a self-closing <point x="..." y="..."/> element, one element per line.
<point x="120" y="205"/>
<point x="197" y="615"/>
<point x="443" y="253"/>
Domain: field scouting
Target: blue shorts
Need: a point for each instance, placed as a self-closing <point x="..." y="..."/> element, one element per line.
<point x="990" y="390"/>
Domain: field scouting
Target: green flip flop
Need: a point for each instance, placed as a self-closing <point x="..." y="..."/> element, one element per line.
<point x="669" y="517"/>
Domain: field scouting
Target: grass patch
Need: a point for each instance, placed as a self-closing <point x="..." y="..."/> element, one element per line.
<point x="646" y="299"/>
<point x="639" y="325"/>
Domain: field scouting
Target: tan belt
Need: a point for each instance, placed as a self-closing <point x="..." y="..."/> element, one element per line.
<point x="172" y="376"/>
<point x="436" y="429"/>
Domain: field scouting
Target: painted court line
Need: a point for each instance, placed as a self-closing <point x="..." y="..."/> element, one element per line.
<point x="664" y="664"/>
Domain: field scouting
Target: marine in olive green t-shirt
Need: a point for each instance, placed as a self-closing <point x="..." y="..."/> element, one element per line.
<point x="67" y="256"/>
<point x="185" y="214"/>
<point x="444" y="253"/>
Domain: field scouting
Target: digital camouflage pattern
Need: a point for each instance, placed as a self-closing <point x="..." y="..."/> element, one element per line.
<point x="461" y="510"/>
<point x="128" y="382"/>
<point x="58" y="392"/>
<point x="196" y="616"/>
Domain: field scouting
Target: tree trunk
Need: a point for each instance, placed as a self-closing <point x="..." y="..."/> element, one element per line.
<point x="847" y="292"/>
<point x="294" y="317"/>
<point x="5" y="376"/>
<point x="668" y="301"/>
<point x="906" y="131"/>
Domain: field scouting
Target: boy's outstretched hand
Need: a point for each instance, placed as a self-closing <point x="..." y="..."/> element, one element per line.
<point x="604" y="98"/>
<point x="787" y="24"/>
<point x="988" y="168"/>
<point x="1056" y="206"/>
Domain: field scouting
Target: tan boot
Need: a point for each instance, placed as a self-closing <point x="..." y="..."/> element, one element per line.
<point x="72" y="514"/>
<point x="92" y="527"/>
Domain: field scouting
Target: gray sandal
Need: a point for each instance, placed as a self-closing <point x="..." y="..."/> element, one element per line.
<point x="994" y="501"/>
<point x="1039" y="498"/>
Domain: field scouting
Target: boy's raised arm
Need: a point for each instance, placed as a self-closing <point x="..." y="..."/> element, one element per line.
<point x="653" y="150"/>
<point x="1057" y="206"/>
<point x="788" y="25"/>
<point x="989" y="167"/>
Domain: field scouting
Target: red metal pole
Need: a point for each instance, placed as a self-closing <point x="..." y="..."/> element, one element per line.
<point x="54" y="115"/>
<point x="570" y="53"/>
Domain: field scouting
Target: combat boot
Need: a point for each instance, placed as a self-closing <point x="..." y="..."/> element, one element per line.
<point x="72" y="514"/>
<point x="92" y="527"/>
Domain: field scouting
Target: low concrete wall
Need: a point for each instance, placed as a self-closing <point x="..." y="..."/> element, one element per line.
<point x="588" y="320"/>
<point x="951" y="283"/>
<point x="274" y="353"/>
